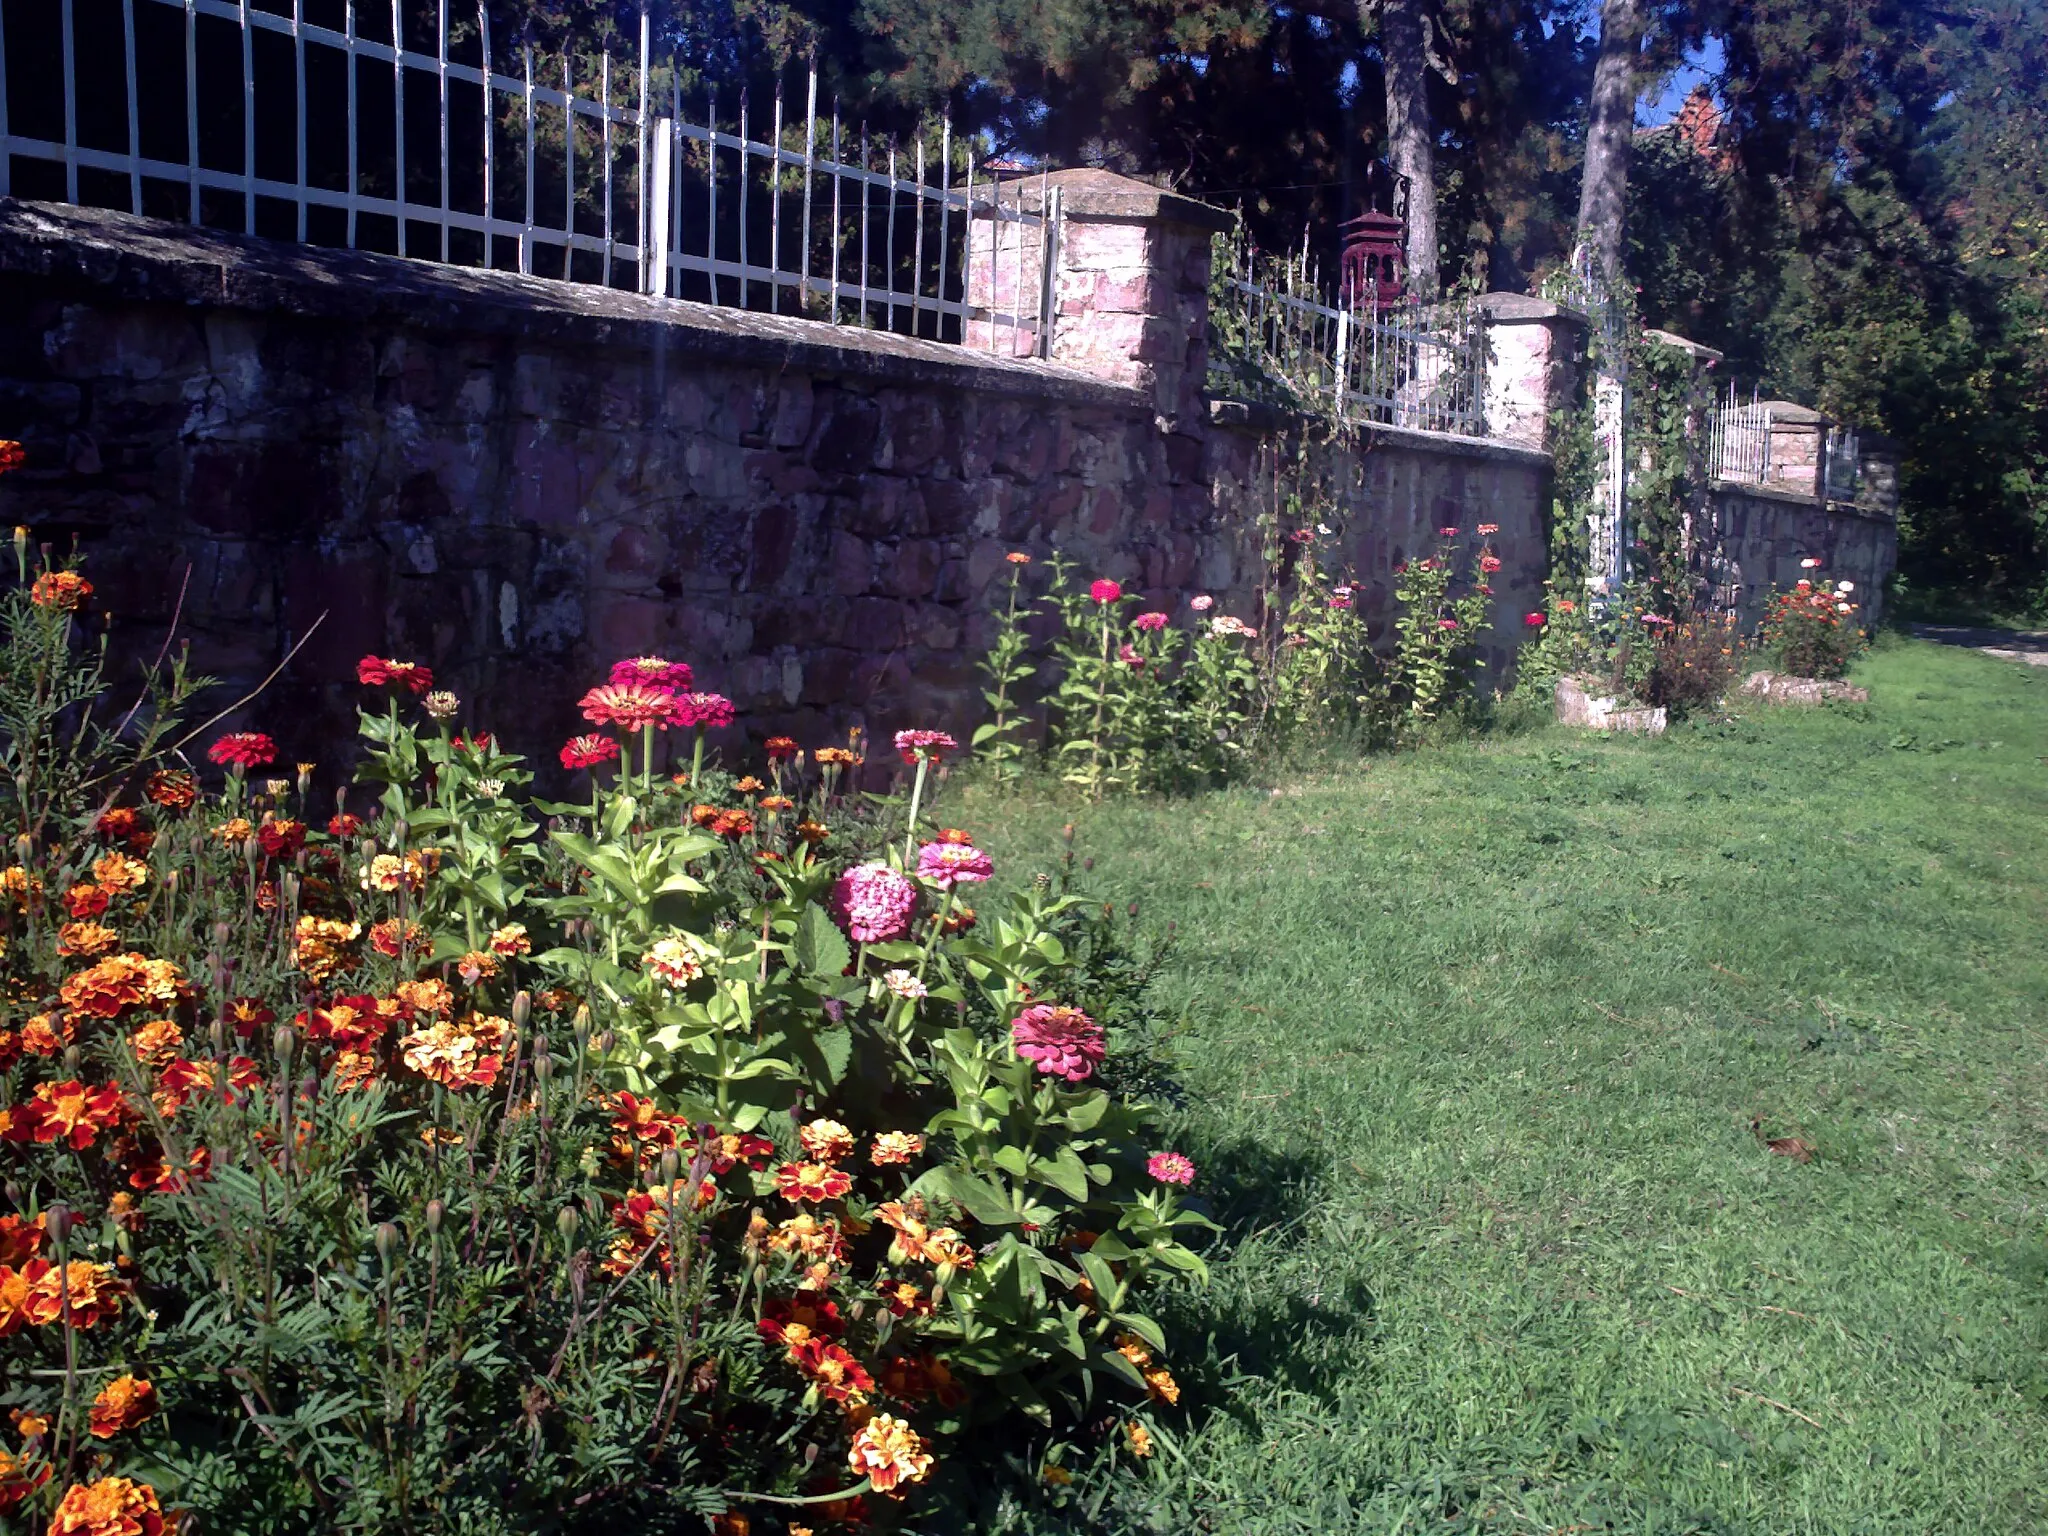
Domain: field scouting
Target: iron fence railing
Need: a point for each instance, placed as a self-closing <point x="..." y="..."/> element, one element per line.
<point x="409" y="129"/>
<point x="1841" y="464"/>
<point x="1275" y="338"/>
<point x="1739" y="441"/>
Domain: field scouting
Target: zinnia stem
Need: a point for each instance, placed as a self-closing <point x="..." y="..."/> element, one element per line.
<point x="647" y="761"/>
<point x="916" y="795"/>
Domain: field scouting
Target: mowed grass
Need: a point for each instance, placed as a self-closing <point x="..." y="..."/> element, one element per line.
<point x="1474" y="1039"/>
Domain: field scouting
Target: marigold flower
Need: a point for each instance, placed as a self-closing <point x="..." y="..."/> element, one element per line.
<point x="826" y="1140"/>
<point x="172" y="788"/>
<point x="947" y="864"/>
<point x="895" y="1147"/>
<point x="38" y="1294"/>
<point x="122" y="1404"/>
<point x="46" y="1034"/>
<point x="812" y="1181"/>
<point x="904" y="1299"/>
<point x="873" y="903"/>
<point x="889" y="1453"/>
<point x="511" y="940"/>
<point x="344" y="825"/>
<point x="631" y="706"/>
<point x="1103" y="590"/>
<point x="20" y="1477"/>
<point x="243" y="750"/>
<point x="732" y="824"/>
<point x="379" y="672"/>
<point x="1063" y="1042"/>
<point x="477" y="965"/>
<point x="674" y="961"/>
<point x="456" y="1055"/>
<point x="429" y="996"/>
<point x="86" y="900"/>
<point x="390" y="872"/>
<point x="119" y="874"/>
<point x="156" y="1042"/>
<point x="932" y="746"/>
<point x="86" y="940"/>
<point x="775" y="805"/>
<point x="588" y="751"/>
<point x="1138" y="1439"/>
<point x="1160" y="1383"/>
<point x="809" y="1236"/>
<point x="1170" y="1168"/>
<point x="281" y="839"/>
<point x="117" y="983"/>
<point x="835" y="757"/>
<point x="317" y="946"/>
<point x="113" y="1506"/>
<point x="782" y="749"/>
<point x="65" y="591"/>
<point x="838" y="1376"/>
<point x="653" y="672"/>
<point x="395" y="935"/>
<point x="794" y="1320"/>
<point x="812" y="832"/>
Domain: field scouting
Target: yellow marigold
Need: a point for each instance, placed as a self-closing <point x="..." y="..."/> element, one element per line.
<point x="118" y="982"/>
<point x="122" y="1404"/>
<point x="1053" y="1475"/>
<point x="805" y="1234"/>
<point x="1160" y="1383"/>
<point x="1133" y="1349"/>
<point x="813" y="831"/>
<point x="18" y="884"/>
<point x="478" y="965"/>
<point x="65" y="591"/>
<point x="895" y="1147"/>
<point x="835" y="757"/>
<point x="389" y="872"/>
<point x="156" y="1042"/>
<point x="430" y="996"/>
<point x="113" y="1506"/>
<point x="86" y="941"/>
<point x="319" y="945"/>
<point x="235" y="830"/>
<point x="826" y="1140"/>
<point x="889" y="1453"/>
<point x="1139" y="1439"/>
<point x="118" y="874"/>
<point x="46" y="1034"/>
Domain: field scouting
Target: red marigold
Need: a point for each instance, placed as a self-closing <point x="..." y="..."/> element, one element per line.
<point x="812" y="1181"/>
<point x="12" y="455"/>
<point x="378" y="672"/>
<point x="838" y="1376"/>
<point x="732" y="824"/>
<point x="817" y="1319"/>
<point x="86" y="900"/>
<point x="282" y="839"/>
<point x="172" y="788"/>
<point x="782" y="749"/>
<point x="243" y="750"/>
<point x="344" y="825"/>
<point x="20" y="1238"/>
<point x="66" y="591"/>
<point x="122" y="1404"/>
<point x="68" y="1112"/>
<point x="249" y="1014"/>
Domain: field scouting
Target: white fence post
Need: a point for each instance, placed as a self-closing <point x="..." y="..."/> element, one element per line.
<point x="656" y="180"/>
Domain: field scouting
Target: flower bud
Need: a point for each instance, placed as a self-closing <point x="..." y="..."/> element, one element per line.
<point x="221" y="934"/>
<point x="305" y="779"/>
<point x="252" y="851"/>
<point x="566" y="1221"/>
<point x="604" y="1043"/>
<point x="14" y="1192"/>
<point x="400" y="830"/>
<point x="285" y="1042"/>
<point x="387" y="1240"/>
<point x="522" y="1008"/>
<point x="671" y="1167"/>
<point x="436" y="1212"/>
<point x="24" y="849"/>
<point x="71" y="1060"/>
<point x="57" y="1222"/>
<point x="580" y="1025"/>
<point x="543" y="1063"/>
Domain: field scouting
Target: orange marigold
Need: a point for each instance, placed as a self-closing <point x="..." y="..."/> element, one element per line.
<point x="113" y="1506"/>
<point x="68" y="1112"/>
<point x="86" y="941"/>
<point x="122" y="1404"/>
<point x="837" y="1375"/>
<point x="20" y="1477"/>
<point x="812" y="1181"/>
<point x="66" y="591"/>
<point x="118" y="873"/>
<point x="826" y="1140"/>
<point x="172" y="788"/>
<point x="895" y="1147"/>
<point x="46" y="1034"/>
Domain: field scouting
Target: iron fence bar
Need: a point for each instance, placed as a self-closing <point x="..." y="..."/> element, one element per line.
<point x="917" y="240"/>
<point x="441" y="73"/>
<point x="398" y="110"/>
<point x="248" y="116"/>
<point x="642" y="213"/>
<point x="745" y="177"/>
<point x="889" y="244"/>
<point x="135" y="109"/>
<point x="838" y="228"/>
<point x="349" y="61"/>
<point x="530" y="213"/>
<point x="945" y="186"/>
<point x="70" y="108"/>
<point x="604" y="86"/>
<point x="775" y="208"/>
<point x="810" y="144"/>
<point x="864" y="267"/>
<point x="192" y="103"/>
<point x="711" y="183"/>
<point x="483" y="28"/>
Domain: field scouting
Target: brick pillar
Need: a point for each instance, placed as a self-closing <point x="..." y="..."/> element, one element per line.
<point x="1130" y="283"/>
<point x="1536" y="352"/>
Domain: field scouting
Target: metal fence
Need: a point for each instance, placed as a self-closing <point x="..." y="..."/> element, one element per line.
<point x="1841" y="464"/>
<point x="409" y="129"/>
<point x="1739" y="441"/>
<point x="1276" y="338"/>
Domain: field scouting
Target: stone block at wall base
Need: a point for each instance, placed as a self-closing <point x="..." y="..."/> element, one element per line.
<point x="1783" y="688"/>
<point x="1581" y="704"/>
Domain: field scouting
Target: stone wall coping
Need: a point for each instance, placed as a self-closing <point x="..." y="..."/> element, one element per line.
<point x="1092" y="194"/>
<point x="103" y="253"/>
<point x="1805" y="499"/>
<point x="1525" y="309"/>
<point x="1253" y="416"/>
<point x="1698" y="349"/>
<point x="1790" y="413"/>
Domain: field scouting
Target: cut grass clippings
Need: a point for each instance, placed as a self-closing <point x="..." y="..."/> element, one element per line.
<point x="1496" y="1058"/>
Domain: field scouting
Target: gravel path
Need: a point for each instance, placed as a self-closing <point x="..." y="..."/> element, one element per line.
<point x="2028" y="645"/>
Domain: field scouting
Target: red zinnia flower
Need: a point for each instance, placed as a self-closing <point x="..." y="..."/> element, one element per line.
<point x="588" y="751"/>
<point x="1105" y="591"/>
<point x="632" y="706"/>
<point x="1534" y="620"/>
<point x="380" y="672"/>
<point x="243" y="750"/>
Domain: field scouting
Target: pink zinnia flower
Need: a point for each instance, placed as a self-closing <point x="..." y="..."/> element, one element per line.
<point x="706" y="711"/>
<point x="873" y="903"/>
<point x="654" y="671"/>
<point x="1489" y="563"/>
<point x="950" y="864"/>
<point x="1063" y="1042"/>
<point x="244" y="749"/>
<point x="588" y="751"/>
<point x="1446" y="623"/>
<point x="1129" y="656"/>
<point x="631" y="706"/>
<point x="1341" y="600"/>
<point x="1105" y="591"/>
<point x="1534" y="620"/>
<point x="930" y="745"/>
<point x="1170" y="1168"/>
<point x="1149" y="621"/>
<point x="1202" y="603"/>
<point x="1447" y="533"/>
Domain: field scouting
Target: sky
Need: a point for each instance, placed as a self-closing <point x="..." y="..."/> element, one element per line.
<point x="1703" y="64"/>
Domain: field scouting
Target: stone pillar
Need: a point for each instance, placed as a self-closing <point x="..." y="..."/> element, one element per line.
<point x="1130" y="283"/>
<point x="1877" y="474"/>
<point x="1792" y="461"/>
<point x="1536" y="352"/>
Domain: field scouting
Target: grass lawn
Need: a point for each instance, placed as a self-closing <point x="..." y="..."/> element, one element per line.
<point x="1474" y="1040"/>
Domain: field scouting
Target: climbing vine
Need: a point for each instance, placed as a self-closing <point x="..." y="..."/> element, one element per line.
<point x="1666" y="452"/>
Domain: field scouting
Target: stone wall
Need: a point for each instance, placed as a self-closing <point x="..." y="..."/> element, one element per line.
<point x="1758" y="538"/>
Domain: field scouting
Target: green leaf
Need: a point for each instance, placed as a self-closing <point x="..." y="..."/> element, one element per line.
<point x="820" y="947"/>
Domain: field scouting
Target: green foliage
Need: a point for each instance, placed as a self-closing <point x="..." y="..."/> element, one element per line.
<point x="1811" y="630"/>
<point x="482" y="1164"/>
<point x="998" y="740"/>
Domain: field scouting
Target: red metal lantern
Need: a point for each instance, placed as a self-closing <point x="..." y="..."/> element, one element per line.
<point x="1375" y="260"/>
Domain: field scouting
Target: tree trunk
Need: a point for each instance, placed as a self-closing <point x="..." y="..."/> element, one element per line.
<point x="1410" y="131"/>
<point x="1610" y="128"/>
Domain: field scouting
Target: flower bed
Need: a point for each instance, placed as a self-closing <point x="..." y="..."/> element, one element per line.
<point x="460" y="1160"/>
